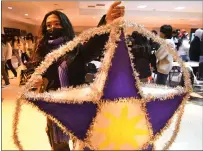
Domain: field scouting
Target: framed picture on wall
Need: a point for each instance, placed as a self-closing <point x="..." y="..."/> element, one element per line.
<point x="23" y="33"/>
<point x="11" y="31"/>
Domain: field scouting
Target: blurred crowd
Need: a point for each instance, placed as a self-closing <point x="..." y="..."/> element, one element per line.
<point x="15" y="49"/>
<point x="151" y="58"/>
<point x="74" y="67"/>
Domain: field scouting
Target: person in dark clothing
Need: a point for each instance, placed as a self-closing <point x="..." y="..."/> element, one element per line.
<point x="4" y="54"/>
<point x="194" y="51"/>
<point x="200" y="71"/>
<point x="141" y="52"/>
<point x="154" y="47"/>
<point x="69" y="70"/>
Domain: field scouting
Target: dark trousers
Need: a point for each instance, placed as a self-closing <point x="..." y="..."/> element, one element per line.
<point x="3" y="72"/>
<point x="24" y="57"/>
<point x="200" y="71"/>
<point x="10" y="66"/>
<point x="185" y="58"/>
<point x="16" y="53"/>
<point x="161" y="78"/>
<point x="57" y="145"/>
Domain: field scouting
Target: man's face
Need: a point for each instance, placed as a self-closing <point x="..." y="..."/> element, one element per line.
<point x="162" y="35"/>
<point x="53" y="22"/>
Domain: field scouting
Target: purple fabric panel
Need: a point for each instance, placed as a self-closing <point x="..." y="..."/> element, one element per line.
<point x="56" y="42"/>
<point x="63" y="74"/>
<point x="201" y="59"/>
<point x="75" y="117"/>
<point x="150" y="147"/>
<point x="160" y="112"/>
<point x="120" y="82"/>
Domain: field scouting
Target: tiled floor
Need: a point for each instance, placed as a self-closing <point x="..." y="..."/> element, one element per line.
<point x="32" y="125"/>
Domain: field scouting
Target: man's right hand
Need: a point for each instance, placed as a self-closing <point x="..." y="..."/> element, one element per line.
<point x="38" y="83"/>
<point x="41" y="82"/>
<point x="115" y="11"/>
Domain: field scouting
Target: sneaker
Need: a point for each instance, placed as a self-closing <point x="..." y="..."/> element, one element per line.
<point x="5" y="85"/>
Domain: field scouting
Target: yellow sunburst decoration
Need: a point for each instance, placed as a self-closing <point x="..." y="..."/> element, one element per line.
<point x="122" y="129"/>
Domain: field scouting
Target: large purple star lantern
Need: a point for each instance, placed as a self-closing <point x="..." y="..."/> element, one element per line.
<point x="116" y="111"/>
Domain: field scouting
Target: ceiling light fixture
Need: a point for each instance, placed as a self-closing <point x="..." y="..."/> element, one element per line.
<point x="26" y="14"/>
<point x="59" y="9"/>
<point x="91" y="6"/>
<point x="179" y="8"/>
<point x="10" y="7"/>
<point x="142" y="6"/>
<point x="100" y="4"/>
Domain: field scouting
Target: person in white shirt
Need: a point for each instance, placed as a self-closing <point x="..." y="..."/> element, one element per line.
<point x="23" y="48"/>
<point x="184" y="46"/>
<point x="175" y="38"/>
<point x="30" y="44"/>
<point x="3" y="60"/>
<point x="164" y="59"/>
<point x="8" y="55"/>
<point x="16" y="43"/>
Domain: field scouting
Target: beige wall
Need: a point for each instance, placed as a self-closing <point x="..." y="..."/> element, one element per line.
<point x="35" y="28"/>
<point x="19" y="25"/>
<point x="81" y="28"/>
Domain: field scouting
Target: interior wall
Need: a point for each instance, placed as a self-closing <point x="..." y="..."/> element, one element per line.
<point x="19" y="25"/>
<point x="79" y="29"/>
<point x="34" y="29"/>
